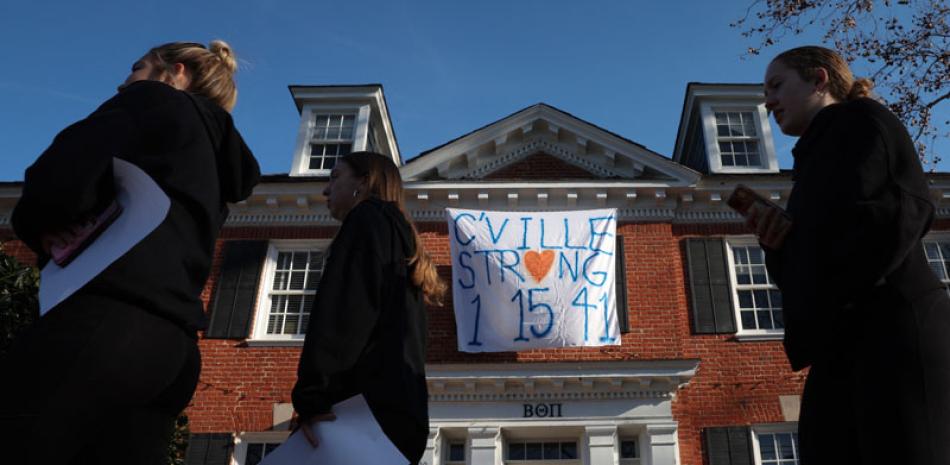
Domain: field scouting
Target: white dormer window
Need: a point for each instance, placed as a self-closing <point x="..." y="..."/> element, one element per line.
<point x="331" y="138"/>
<point x="737" y="139"/>
<point x="336" y="121"/>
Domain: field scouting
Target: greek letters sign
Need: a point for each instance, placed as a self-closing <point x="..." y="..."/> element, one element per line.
<point x="526" y="280"/>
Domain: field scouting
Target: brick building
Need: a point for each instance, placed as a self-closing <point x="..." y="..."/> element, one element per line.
<point x="700" y="376"/>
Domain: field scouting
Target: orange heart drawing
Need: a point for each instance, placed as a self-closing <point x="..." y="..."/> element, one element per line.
<point x="538" y="264"/>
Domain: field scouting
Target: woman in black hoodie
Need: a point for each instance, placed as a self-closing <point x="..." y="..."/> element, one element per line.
<point x="367" y="331"/>
<point x="101" y="377"/>
<point x="863" y="308"/>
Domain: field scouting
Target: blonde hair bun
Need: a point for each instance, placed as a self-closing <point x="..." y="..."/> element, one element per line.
<point x="223" y="51"/>
<point x="861" y="88"/>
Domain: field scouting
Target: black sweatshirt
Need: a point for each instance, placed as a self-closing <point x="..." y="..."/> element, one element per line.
<point x="367" y="330"/>
<point x="198" y="159"/>
<point x="859" y="207"/>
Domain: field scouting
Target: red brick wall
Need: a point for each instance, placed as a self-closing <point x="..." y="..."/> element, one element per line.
<point x="541" y="166"/>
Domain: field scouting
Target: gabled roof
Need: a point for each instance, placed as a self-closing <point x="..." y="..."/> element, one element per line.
<point x="542" y="128"/>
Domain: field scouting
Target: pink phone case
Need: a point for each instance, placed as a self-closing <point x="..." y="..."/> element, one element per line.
<point x="62" y="256"/>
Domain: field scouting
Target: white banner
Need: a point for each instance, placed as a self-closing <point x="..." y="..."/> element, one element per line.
<point x="526" y="280"/>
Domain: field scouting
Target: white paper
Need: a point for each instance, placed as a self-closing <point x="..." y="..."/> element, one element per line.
<point x="354" y="438"/>
<point x="528" y="280"/>
<point x="144" y="207"/>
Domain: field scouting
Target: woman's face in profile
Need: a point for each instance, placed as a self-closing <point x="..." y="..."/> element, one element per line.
<point x="792" y="101"/>
<point x="340" y="190"/>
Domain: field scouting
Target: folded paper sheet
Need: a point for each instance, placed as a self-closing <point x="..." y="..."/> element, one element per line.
<point x="354" y="438"/>
<point x="144" y="207"/>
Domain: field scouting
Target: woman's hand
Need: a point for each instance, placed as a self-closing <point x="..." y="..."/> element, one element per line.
<point x="770" y="224"/>
<point x="63" y="238"/>
<point x="306" y="425"/>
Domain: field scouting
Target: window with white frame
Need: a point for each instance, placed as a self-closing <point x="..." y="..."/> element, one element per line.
<point x="775" y="446"/>
<point x="292" y="275"/>
<point x="737" y="139"/>
<point x="256" y="451"/>
<point x="454" y="452"/>
<point x="331" y="138"/>
<point x="533" y="451"/>
<point x="629" y="453"/>
<point x="758" y="301"/>
<point x="937" y="249"/>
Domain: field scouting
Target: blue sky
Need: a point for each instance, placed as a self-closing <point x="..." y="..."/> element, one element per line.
<point x="447" y="67"/>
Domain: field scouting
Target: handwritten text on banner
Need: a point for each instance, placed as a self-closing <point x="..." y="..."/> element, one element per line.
<point x="525" y="280"/>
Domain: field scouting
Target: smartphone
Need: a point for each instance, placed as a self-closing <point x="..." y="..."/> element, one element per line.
<point x="63" y="255"/>
<point x="743" y="198"/>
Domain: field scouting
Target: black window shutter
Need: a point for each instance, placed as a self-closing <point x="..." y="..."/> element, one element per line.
<point x="235" y="295"/>
<point x="711" y="296"/>
<point x="621" y="285"/>
<point x="209" y="449"/>
<point x="731" y="445"/>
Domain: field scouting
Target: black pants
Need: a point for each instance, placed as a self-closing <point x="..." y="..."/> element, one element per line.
<point x="95" y="381"/>
<point x="881" y="395"/>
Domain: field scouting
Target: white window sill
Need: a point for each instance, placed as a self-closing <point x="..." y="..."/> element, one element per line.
<point x="275" y="342"/>
<point x="311" y="173"/>
<point x="753" y="337"/>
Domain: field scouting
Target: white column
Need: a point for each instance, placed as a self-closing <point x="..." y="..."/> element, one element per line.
<point x="661" y="445"/>
<point x="432" y="456"/>
<point x="484" y="444"/>
<point x="361" y="129"/>
<point x="602" y="445"/>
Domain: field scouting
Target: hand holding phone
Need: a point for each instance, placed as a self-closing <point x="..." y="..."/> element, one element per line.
<point x="769" y="221"/>
<point x="68" y="245"/>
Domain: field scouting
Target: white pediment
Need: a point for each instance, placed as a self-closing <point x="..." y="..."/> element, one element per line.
<point x="542" y="129"/>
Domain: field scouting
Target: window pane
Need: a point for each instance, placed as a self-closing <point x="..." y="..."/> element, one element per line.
<point x="766" y="447"/>
<point x="278" y="304"/>
<point x="745" y="299"/>
<point x="281" y="279"/>
<point x="297" y="279"/>
<point x="741" y="255"/>
<point x="457" y="452"/>
<point x="628" y="449"/>
<point x="748" y="125"/>
<point x="765" y="319"/>
<point x="552" y="450"/>
<point x="785" y="446"/>
<point x="748" y="319"/>
<point x="516" y="451"/>
<point x="743" y="276"/>
<point x="568" y="450"/>
<point x="329" y="163"/>
<point x="532" y="451"/>
<point x="274" y="324"/>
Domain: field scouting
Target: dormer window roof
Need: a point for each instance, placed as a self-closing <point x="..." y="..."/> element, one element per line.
<point x="724" y="129"/>
<point x="338" y="120"/>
